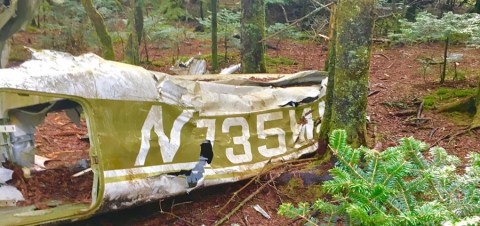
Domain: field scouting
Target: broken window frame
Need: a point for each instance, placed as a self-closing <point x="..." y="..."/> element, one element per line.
<point x="29" y="214"/>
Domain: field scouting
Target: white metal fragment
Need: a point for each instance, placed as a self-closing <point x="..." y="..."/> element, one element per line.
<point x="10" y="193"/>
<point x="82" y="172"/>
<point x="5" y="175"/>
<point x="231" y="69"/>
<point x="261" y="211"/>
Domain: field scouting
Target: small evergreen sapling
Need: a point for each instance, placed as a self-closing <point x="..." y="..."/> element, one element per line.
<point x="449" y="29"/>
<point x="398" y="186"/>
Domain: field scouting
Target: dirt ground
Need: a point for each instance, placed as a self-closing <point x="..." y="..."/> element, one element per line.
<point x="396" y="84"/>
<point x="64" y="144"/>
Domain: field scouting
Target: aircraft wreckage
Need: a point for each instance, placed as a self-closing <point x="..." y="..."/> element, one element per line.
<point x="151" y="135"/>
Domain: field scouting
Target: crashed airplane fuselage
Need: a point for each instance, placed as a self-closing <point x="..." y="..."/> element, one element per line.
<point x="152" y="135"/>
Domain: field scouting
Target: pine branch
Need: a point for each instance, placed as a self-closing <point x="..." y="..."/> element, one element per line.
<point x="414" y="155"/>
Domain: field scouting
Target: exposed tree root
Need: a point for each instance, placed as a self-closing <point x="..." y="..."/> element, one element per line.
<point x="469" y="104"/>
<point x="463" y="105"/>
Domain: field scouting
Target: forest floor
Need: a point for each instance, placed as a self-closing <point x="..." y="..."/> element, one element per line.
<point x="397" y="90"/>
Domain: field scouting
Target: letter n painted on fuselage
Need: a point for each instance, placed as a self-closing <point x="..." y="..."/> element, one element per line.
<point x="168" y="147"/>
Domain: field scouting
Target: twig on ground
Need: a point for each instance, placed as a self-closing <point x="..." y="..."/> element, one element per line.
<point x="390" y="65"/>
<point x="173" y="215"/>
<point x="404" y="113"/>
<point x="430" y="135"/>
<point x="420" y="110"/>
<point x="264" y="170"/>
<point x="373" y="93"/>
<point x="383" y="55"/>
<point x="226" y="217"/>
<point x="235" y="194"/>
<point x="245" y="219"/>
<point x="416" y="121"/>
<point x="451" y="136"/>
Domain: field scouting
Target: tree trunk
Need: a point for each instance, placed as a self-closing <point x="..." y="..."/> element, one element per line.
<point x="132" y="51"/>
<point x="411" y="11"/>
<point x="353" y="43"/>
<point x="331" y="36"/>
<point x="100" y="28"/>
<point x="252" y="31"/>
<point x="26" y="10"/>
<point x="444" y="70"/>
<point x="476" y="118"/>
<point x="330" y="68"/>
<point x="139" y="5"/>
<point x="201" y="9"/>
<point x="477" y="7"/>
<point x="213" y="5"/>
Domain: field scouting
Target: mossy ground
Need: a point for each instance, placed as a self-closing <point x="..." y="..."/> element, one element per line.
<point x="445" y="95"/>
<point x="277" y="61"/>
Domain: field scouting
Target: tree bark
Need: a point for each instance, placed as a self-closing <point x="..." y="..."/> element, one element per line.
<point x="477" y="7"/>
<point x="444" y="69"/>
<point x="132" y="51"/>
<point x="252" y="32"/>
<point x="139" y="5"/>
<point x="330" y="68"/>
<point x="201" y="9"/>
<point x="476" y="118"/>
<point x="331" y="36"/>
<point x="100" y="28"/>
<point x="26" y="10"/>
<point x="213" y="5"/>
<point x="353" y="43"/>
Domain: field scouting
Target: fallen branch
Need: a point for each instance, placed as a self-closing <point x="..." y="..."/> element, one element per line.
<point x="451" y="136"/>
<point x="226" y="217"/>
<point x="416" y="121"/>
<point x="172" y="214"/>
<point x="383" y="55"/>
<point x="179" y="218"/>
<point x="432" y="132"/>
<point x="262" y="172"/>
<point x="390" y="65"/>
<point x="420" y="110"/>
<point x="373" y="92"/>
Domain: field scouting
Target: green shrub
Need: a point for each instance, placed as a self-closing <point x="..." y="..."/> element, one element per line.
<point x="398" y="186"/>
